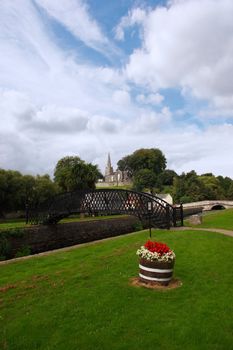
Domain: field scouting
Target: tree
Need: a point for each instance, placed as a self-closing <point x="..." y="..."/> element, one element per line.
<point x="145" y="178"/>
<point x="72" y="173"/>
<point x="188" y="188"/>
<point x="166" y="178"/>
<point x="44" y="188"/>
<point x="10" y="190"/>
<point x="226" y="184"/>
<point x="144" y="158"/>
<point x="213" y="189"/>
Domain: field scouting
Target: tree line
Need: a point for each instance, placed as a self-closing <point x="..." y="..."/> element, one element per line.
<point x="18" y="191"/>
<point x="146" y="167"/>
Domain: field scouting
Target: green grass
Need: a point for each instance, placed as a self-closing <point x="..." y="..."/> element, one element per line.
<point x="91" y="218"/>
<point x="82" y="300"/>
<point x="12" y="223"/>
<point x="217" y="219"/>
<point x="20" y="223"/>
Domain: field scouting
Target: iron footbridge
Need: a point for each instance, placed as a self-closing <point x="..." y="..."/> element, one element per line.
<point x="148" y="208"/>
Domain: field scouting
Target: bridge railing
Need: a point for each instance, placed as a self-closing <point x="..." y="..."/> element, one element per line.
<point x="108" y="202"/>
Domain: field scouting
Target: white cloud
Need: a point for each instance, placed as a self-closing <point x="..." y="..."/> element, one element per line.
<point x="203" y="151"/>
<point x="187" y="45"/>
<point x="103" y="124"/>
<point x="53" y="105"/>
<point x="53" y="119"/>
<point x="121" y="97"/>
<point x="134" y="17"/>
<point x="75" y="16"/>
<point x="153" y="99"/>
<point x="150" y="122"/>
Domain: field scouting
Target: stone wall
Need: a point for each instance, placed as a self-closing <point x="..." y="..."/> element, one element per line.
<point x="48" y="237"/>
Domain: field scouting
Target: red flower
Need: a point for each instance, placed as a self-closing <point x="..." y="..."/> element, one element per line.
<point x="157" y="247"/>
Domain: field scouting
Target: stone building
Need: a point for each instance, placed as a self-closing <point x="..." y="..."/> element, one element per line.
<point x="114" y="178"/>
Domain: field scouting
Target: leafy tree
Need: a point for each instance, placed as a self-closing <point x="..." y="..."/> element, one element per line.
<point x="44" y="188"/>
<point x="166" y="179"/>
<point x="124" y="164"/>
<point x="10" y="190"/>
<point x="144" y="165"/>
<point x="188" y="188"/>
<point x="28" y="190"/>
<point x="152" y="159"/>
<point x="16" y="190"/>
<point x="225" y="183"/>
<point x="230" y="192"/>
<point x="145" y="178"/>
<point x="72" y="173"/>
<point x="213" y="189"/>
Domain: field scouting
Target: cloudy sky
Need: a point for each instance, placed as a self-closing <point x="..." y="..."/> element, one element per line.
<point x="88" y="77"/>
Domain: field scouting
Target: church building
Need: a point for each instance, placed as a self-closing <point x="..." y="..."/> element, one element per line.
<point x="115" y="178"/>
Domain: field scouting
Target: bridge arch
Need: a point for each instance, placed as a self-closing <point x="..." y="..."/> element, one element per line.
<point x="106" y="201"/>
<point x="217" y="207"/>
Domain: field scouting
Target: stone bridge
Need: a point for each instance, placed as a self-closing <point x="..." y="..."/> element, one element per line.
<point x="210" y="205"/>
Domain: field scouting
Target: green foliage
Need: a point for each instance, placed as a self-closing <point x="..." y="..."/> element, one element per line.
<point x="191" y="187"/>
<point x="72" y="173"/>
<point x="165" y="181"/>
<point x="226" y="183"/>
<point x="144" y="178"/>
<point x="144" y="165"/>
<point x="188" y="188"/>
<point x="5" y="246"/>
<point x="152" y="159"/>
<point x="10" y="190"/>
<point x="44" y="188"/>
<point x="137" y="226"/>
<point x="212" y="186"/>
<point x="24" y="251"/>
<point x="229" y="194"/>
<point x="16" y="190"/>
<point x="83" y="299"/>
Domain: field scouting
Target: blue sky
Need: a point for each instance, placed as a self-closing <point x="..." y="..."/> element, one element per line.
<point x="88" y="77"/>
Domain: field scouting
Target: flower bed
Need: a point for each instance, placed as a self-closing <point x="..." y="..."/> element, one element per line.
<point x="156" y="263"/>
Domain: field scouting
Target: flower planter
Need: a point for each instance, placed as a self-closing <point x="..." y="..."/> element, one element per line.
<point x="156" y="263"/>
<point x="156" y="271"/>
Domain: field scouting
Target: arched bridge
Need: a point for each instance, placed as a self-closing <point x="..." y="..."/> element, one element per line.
<point x="210" y="204"/>
<point x="148" y="208"/>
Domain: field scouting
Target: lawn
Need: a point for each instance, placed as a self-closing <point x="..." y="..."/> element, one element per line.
<point x="81" y="299"/>
<point x="217" y="219"/>
<point x="20" y="223"/>
<point x="12" y="223"/>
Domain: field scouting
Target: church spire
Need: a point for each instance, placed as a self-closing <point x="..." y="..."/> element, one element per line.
<point x="109" y="168"/>
<point x="109" y="161"/>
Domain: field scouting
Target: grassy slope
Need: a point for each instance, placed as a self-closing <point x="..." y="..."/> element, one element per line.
<point x="218" y="219"/>
<point x="81" y="299"/>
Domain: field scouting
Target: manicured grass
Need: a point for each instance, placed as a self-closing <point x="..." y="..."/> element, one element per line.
<point x="82" y="299"/>
<point x="217" y="219"/>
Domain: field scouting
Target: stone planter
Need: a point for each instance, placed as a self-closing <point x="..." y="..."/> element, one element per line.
<point x="155" y="271"/>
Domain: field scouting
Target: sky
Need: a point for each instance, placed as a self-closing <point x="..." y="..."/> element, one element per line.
<point x="88" y="77"/>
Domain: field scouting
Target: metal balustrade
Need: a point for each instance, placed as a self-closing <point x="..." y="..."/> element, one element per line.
<point x="147" y="207"/>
